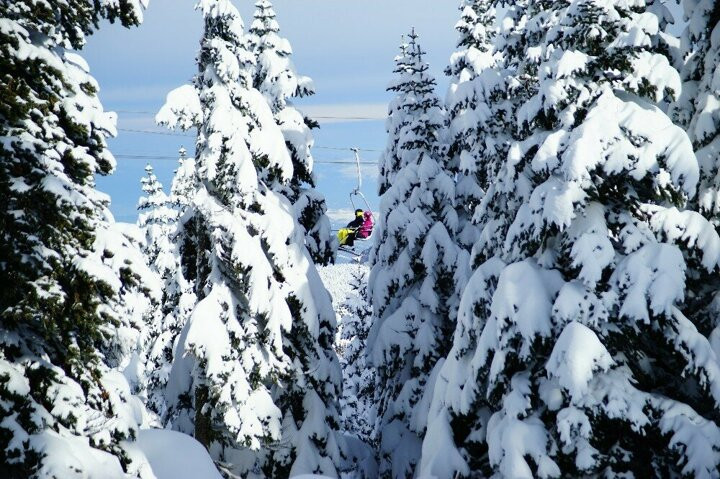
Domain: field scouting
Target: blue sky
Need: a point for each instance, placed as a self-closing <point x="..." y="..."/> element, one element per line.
<point x="346" y="46"/>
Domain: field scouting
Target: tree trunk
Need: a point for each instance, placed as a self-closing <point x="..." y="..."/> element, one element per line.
<point x="203" y="426"/>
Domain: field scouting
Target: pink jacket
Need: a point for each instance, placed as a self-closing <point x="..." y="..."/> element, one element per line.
<point x="366" y="229"/>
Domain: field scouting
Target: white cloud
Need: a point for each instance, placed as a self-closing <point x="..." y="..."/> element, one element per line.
<point x="346" y="113"/>
<point x="367" y="171"/>
<point x="338" y="215"/>
<point x="342" y="216"/>
<point x="135" y="94"/>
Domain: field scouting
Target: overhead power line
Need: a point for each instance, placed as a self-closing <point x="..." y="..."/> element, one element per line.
<point x="174" y="158"/>
<point x="186" y="135"/>
<point x="134" y="112"/>
<point x="378" y="118"/>
<point x="318" y="117"/>
<point x="326" y="162"/>
<point x="337" y="148"/>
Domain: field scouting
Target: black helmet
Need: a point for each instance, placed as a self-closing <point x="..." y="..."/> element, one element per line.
<point x="358" y="212"/>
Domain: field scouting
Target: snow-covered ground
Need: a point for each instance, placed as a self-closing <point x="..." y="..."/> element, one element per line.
<point x="336" y="278"/>
<point x="173" y="455"/>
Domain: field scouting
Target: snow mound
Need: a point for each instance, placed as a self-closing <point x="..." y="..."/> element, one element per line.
<point x="173" y="455"/>
<point x="578" y="354"/>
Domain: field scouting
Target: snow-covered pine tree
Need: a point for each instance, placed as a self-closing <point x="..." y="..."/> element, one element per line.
<point x="275" y="75"/>
<point x="156" y="219"/>
<point x="159" y="220"/>
<point x="254" y="377"/>
<point x="390" y="162"/>
<point x="698" y="111"/>
<point x="418" y="272"/>
<point x="358" y="398"/>
<point x="572" y="355"/>
<point x="184" y="184"/>
<point x="276" y="78"/>
<point x="358" y="401"/>
<point x="475" y="113"/>
<point x="69" y="273"/>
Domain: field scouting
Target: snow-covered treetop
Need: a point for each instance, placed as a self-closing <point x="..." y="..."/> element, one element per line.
<point x="420" y="102"/>
<point x="477" y="31"/>
<point x="275" y="75"/>
<point x="476" y="25"/>
<point x="224" y="39"/>
<point x="155" y="207"/>
<point x="184" y="183"/>
<point x="593" y="113"/>
<point x="231" y="112"/>
<point x="265" y="22"/>
<point x="587" y="39"/>
<point x="415" y="101"/>
<point x="152" y="188"/>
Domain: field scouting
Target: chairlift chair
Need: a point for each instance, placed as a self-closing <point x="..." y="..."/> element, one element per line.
<point x="358" y="195"/>
<point x="357" y="198"/>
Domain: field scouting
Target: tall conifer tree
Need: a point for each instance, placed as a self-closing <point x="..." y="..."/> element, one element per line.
<point x="69" y="310"/>
<point x="160" y="221"/>
<point x="255" y="378"/>
<point x="276" y="78"/>
<point x="572" y="354"/>
<point x="418" y="270"/>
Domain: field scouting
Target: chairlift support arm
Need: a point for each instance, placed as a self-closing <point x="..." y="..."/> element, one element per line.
<point x="358" y="191"/>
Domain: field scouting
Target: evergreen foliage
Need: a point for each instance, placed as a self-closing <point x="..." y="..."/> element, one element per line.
<point x="357" y="403"/>
<point x="254" y="376"/>
<point x="543" y="292"/>
<point x="572" y="354"/>
<point x="73" y="281"/>
<point x="276" y="78"/>
<point x="157" y="219"/>
<point x="477" y="112"/>
<point x="160" y="220"/>
<point x="418" y="269"/>
<point x="698" y="111"/>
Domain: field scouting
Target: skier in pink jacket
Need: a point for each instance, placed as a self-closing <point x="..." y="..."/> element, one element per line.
<point x="366" y="228"/>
